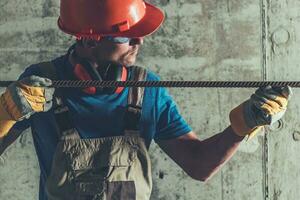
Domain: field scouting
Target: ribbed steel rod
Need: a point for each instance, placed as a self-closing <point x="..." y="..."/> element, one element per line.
<point x="190" y="84"/>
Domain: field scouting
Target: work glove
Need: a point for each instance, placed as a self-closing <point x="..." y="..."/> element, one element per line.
<point x="266" y="106"/>
<point x="22" y="99"/>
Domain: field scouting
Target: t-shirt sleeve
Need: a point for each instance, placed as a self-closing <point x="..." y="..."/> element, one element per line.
<point x="170" y="124"/>
<point x="24" y="124"/>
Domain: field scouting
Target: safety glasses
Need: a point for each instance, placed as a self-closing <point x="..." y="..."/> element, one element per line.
<point x="118" y="39"/>
<point x="122" y="40"/>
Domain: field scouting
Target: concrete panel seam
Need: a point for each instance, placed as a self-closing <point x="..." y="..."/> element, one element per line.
<point x="264" y="35"/>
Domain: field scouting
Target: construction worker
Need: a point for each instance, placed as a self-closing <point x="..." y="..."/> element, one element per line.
<point x="92" y="143"/>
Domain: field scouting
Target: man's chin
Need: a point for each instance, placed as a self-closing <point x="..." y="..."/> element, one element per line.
<point x="128" y="61"/>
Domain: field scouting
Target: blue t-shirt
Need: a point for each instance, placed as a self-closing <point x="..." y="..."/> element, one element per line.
<point x="97" y="116"/>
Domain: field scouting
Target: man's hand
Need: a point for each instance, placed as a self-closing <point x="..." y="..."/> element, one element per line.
<point x="266" y="106"/>
<point x="22" y="99"/>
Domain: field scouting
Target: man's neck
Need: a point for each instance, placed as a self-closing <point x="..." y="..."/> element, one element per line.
<point x="75" y="56"/>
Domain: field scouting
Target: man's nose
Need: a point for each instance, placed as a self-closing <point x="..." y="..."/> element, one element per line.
<point x="137" y="41"/>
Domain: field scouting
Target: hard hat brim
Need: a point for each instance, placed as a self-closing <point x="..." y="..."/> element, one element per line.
<point x="151" y="21"/>
<point x="149" y="24"/>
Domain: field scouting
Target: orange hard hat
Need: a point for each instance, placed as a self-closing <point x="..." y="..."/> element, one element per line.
<point x="124" y="18"/>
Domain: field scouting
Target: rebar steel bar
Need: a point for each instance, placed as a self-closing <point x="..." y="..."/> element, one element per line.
<point x="189" y="84"/>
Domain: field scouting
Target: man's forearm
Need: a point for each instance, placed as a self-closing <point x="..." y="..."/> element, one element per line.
<point x="210" y="154"/>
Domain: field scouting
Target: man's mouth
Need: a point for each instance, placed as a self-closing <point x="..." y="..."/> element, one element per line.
<point x="134" y="51"/>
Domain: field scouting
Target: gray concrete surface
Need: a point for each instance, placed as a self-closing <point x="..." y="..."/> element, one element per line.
<point x="199" y="40"/>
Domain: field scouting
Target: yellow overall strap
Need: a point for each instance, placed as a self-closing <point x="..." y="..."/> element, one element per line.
<point x="135" y="100"/>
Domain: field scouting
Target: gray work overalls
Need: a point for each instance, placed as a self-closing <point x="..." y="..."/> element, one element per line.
<point x="109" y="168"/>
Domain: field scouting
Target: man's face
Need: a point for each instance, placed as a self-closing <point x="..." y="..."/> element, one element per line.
<point x="124" y="53"/>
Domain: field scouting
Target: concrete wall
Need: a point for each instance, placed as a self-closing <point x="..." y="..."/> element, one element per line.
<point x="199" y="40"/>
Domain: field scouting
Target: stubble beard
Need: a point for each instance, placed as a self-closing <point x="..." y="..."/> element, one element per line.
<point x="129" y="58"/>
<point x="126" y="59"/>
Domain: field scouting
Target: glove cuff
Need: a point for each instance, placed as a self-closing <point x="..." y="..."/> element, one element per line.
<point x="6" y="121"/>
<point x="238" y="122"/>
<point x="4" y="114"/>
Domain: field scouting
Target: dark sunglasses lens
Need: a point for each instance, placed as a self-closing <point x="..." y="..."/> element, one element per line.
<point x="121" y="39"/>
<point x="118" y="39"/>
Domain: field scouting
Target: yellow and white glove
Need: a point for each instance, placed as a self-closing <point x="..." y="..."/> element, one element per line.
<point x="266" y="106"/>
<point x="22" y="99"/>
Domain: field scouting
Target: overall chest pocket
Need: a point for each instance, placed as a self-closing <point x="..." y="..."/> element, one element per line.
<point x="101" y="168"/>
